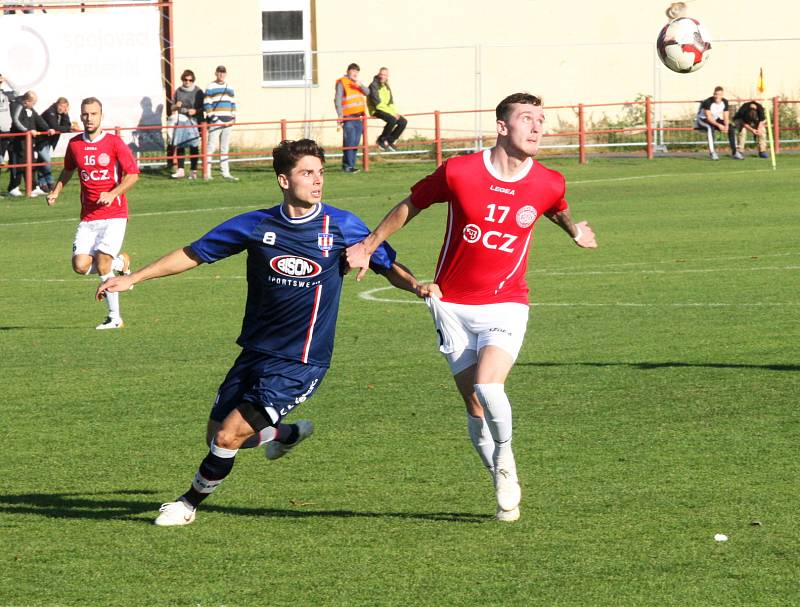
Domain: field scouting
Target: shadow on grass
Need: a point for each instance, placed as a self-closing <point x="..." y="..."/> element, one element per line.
<point x="105" y="506"/>
<point x="40" y="328"/>
<point x="647" y="366"/>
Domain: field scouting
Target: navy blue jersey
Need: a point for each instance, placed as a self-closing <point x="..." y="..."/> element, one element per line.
<point x="295" y="272"/>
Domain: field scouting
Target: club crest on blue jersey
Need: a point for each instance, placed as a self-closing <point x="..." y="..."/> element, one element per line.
<point x="325" y="241"/>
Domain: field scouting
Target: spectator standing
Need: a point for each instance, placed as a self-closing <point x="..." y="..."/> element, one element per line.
<point x="712" y="116"/>
<point x="187" y="105"/>
<point x="23" y="119"/>
<point x="750" y="117"/>
<point x="8" y="93"/>
<point x="220" y="109"/>
<point x="381" y="105"/>
<point x="350" y="107"/>
<point x="57" y="118"/>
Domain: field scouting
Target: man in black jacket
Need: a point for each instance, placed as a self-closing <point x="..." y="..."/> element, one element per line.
<point x="751" y="118"/>
<point x="57" y="118"/>
<point x="23" y="119"/>
<point x="8" y="93"/>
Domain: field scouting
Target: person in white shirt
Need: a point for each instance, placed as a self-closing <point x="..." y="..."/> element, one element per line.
<point x="713" y="116"/>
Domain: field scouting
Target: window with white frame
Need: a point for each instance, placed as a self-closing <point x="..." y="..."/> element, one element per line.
<point x="286" y="42"/>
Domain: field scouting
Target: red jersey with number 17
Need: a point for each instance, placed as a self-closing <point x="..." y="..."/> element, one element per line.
<point x="490" y="220"/>
<point x="100" y="164"/>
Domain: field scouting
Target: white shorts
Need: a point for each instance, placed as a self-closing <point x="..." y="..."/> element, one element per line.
<point x="104" y="235"/>
<point x="465" y="329"/>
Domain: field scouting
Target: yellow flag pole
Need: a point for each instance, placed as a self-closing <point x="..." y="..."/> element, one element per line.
<point x="761" y="88"/>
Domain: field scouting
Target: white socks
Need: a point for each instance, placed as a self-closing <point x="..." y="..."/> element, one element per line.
<point x="482" y="440"/>
<point x="497" y="413"/>
<point x="117" y="264"/>
<point x="112" y="299"/>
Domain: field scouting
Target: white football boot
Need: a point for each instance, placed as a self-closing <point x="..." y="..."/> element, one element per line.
<point x="276" y="450"/>
<point x="506" y="485"/>
<point x="110" y="323"/>
<point x="507" y="516"/>
<point x="175" y="513"/>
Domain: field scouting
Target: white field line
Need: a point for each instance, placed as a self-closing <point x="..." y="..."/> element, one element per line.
<point x="251" y="206"/>
<point x="333" y="200"/>
<point x="681" y="271"/>
<point x="539" y="274"/>
<point x="676" y="175"/>
<point x="370" y="296"/>
<point x="680" y="260"/>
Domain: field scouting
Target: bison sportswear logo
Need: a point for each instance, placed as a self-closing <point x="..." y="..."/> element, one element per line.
<point x="295" y="267"/>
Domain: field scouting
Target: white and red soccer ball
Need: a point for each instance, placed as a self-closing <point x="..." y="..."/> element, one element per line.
<point x="684" y="45"/>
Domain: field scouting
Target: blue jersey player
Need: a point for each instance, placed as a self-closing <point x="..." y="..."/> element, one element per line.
<point x="294" y="278"/>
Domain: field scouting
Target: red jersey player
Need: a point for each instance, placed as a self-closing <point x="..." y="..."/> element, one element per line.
<point x="107" y="170"/>
<point x="479" y="297"/>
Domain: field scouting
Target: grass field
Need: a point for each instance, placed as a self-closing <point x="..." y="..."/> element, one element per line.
<point x="655" y="405"/>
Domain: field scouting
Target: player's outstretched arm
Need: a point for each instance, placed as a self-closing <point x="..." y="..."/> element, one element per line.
<point x="580" y="232"/>
<point x="402" y="278"/>
<point x="63" y="179"/>
<point x="176" y="262"/>
<point x="359" y="254"/>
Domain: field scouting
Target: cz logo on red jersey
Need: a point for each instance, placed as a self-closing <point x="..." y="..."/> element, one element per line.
<point x="491" y="239"/>
<point x="95" y="175"/>
<point x="295" y="267"/>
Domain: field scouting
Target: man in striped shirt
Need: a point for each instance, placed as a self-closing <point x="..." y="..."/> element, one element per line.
<point x="294" y="279"/>
<point x="219" y="107"/>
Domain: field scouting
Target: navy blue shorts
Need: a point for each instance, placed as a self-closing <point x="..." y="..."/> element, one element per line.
<point x="276" y="384"/>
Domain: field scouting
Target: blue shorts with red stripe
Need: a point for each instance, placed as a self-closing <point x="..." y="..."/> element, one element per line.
<point x="276" y="384"/>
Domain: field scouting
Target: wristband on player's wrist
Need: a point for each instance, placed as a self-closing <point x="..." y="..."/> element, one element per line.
<point x="577" y="236"/>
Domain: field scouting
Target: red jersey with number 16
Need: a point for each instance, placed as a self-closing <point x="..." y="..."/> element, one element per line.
<point x="484" y="257"/>
<point x="100" y="164"/>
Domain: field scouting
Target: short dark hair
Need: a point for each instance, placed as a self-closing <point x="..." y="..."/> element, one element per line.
<point x="188" y="73"/>
<point x="90" y="101"/>
<point x="353" y="66"/>
<point x="718" y="88"/>
<point x="503" y="108"/>
<point x="288" y="153"/>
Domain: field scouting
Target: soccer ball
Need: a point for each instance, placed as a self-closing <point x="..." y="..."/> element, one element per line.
<point x="684" y="45"/>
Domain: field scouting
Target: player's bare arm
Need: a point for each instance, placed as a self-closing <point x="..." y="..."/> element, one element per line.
<point x="402" y="278"/>
<point x="580" y="232"/>
<point x="359" y="254"/>
<point x="106" y="198"/>
<point x="63" y="179"/>
<point x="176" y="262"/>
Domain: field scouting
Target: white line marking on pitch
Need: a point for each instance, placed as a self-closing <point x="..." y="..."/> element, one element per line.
<point x="679" y="260"/>
<point x="332" y="200"/>
<point x="370" y="296"/>
<point x="173" y="212"/>
<point x="678" y="176"/>
<point x="538" y="274"/>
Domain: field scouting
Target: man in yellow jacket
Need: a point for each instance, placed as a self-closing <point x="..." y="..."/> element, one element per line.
<point x="350" y="107"/>
<point x="381" y="103"/>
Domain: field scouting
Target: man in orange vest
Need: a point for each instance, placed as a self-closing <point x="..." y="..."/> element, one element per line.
<point x="351" y="105"/>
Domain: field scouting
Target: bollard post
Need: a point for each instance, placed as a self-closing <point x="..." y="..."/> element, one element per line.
<point x="204" y="148"/>
<point x="437" y="130"/>
<point x="776" y="124"/>
<point x="364" y="143"/>
<point x="648" y="121"/>
<point x="581" y="136"/>
<point x="28" y="162"/>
